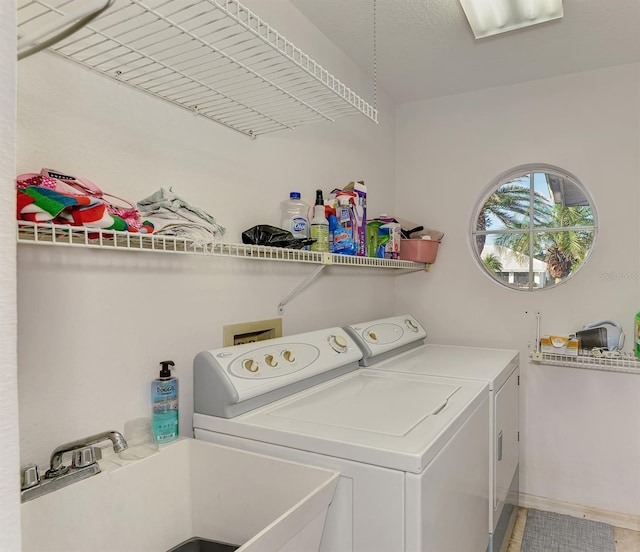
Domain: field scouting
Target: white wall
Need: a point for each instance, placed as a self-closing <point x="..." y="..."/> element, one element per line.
<point x="580" y="429"/>
<point x="9" y="458"/>
<point x="93" y="325"/>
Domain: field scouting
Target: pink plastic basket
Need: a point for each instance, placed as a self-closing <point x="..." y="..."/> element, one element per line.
<point x="420" y="251"/>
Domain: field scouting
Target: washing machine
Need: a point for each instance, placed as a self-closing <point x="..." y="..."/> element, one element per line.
<point x="412" y="449"/>
<point x="398" y="345"/>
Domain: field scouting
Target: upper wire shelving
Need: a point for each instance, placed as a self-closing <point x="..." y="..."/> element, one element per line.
<point x="214" y="58"/>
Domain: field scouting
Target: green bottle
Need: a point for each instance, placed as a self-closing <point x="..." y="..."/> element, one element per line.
<point x="637" y="335"/>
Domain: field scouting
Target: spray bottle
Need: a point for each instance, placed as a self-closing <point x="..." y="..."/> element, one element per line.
<point x="341" y="227"/>
<point x="319" y="226"/>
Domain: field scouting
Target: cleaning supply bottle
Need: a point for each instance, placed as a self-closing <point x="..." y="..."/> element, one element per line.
<point x="294" y="216"/>
<point x="392" y="228"/>
<point x="319" y="226"/>
<point x="344" y="212"/>
<point x="637" y="335"/>
<point x="164" y="399"/>
<point x="341" y="227"/>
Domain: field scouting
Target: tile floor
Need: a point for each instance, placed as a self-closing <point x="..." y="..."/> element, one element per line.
<point x="626" y="539"/>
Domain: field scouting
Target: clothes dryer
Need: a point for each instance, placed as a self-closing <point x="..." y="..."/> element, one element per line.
<point x="499" y="368"/>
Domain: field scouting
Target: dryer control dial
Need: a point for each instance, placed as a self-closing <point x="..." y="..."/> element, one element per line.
<point x="373" y="336"/>
<point x="289" y="356"/>
<point x="411" y="325"/>
<point x="271" y="361"/>
<point x="338" y="343"/>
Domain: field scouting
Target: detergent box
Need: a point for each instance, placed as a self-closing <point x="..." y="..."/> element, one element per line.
<point x="560" y="345"/>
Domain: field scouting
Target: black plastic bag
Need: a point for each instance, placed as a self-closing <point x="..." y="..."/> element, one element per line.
<point x="264" y="234"/>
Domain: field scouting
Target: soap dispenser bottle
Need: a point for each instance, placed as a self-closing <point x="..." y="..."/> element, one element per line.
<point x="164" y="399"/>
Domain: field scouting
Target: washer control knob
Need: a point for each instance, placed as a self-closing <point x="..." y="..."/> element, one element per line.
<point x="250" y="365"/>
<point x="373" y="336"/>
<point x="411" y="325"/>
<point x="271" y="361"/>
<point x="289" y="356"/>
<point x="338" y="343"/>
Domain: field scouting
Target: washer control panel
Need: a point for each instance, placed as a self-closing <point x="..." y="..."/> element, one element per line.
<point x="379" y="338"/>
<point x="231" y="375"/>
<point x="273" y="361"/>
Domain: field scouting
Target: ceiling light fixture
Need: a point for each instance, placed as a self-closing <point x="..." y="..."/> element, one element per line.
<point x="490" y="17"/>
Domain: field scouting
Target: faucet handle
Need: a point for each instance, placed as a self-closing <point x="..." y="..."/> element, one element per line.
<point x="29" y="476"/>
<point x="83" y="457"/>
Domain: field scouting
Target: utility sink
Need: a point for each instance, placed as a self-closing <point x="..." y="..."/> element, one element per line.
<point x="189" y="490"/>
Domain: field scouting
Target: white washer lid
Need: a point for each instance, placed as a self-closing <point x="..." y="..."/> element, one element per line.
<point x="363" y="402"/>
<point x="475" y="363"/>
<point x="398" y="421"/>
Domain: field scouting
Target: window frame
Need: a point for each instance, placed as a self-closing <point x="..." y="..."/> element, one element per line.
<point x="510" y="175"/>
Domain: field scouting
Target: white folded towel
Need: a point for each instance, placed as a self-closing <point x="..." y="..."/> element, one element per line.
<point x="171" y="215"/>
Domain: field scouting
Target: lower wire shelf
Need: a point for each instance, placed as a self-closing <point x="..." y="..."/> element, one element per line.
<point x="95" y="238"/>
<point x="625" y="362"/>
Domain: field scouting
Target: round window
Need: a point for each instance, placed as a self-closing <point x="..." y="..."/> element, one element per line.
<point x="534" y="228"/>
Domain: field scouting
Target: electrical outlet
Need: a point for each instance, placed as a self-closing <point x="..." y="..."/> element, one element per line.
<point x="249" y="332"/>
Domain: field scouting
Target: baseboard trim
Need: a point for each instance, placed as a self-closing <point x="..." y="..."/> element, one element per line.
<point x="617" y="519"/>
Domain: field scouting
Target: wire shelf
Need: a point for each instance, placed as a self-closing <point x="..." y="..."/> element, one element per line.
<point x="624" y="363"/>
<point x="82" y="236"/>
<point x="214" y="58"/>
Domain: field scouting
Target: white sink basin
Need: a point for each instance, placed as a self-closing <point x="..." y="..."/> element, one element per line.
<point x="188" y="489"/>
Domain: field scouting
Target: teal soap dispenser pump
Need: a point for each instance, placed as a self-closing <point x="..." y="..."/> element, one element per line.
<point x="164" y="399"/>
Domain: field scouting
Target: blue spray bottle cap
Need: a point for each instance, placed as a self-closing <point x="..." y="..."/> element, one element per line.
<point x="165" y="372"/>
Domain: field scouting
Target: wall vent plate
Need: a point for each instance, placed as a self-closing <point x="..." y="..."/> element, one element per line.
<point x="249" y="332"/>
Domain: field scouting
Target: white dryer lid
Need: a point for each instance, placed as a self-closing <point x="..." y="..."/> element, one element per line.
<point x="398" y="421"/>
<point x="476" y="363"/>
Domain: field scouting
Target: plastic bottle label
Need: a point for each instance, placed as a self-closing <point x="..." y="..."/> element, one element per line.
<point x="298" y="227"/>
<point x="164" y="399"/>
<point x="320" y="233"/>
<point x="165" y="426"/>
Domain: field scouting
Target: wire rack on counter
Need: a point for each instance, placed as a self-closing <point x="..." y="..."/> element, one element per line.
<point x="623" y="362"/>
<point x="82" y="236"/>
<point x="213" y="57"/>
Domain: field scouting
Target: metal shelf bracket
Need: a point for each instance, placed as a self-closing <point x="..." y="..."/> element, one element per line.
<point x="301" y="287"/>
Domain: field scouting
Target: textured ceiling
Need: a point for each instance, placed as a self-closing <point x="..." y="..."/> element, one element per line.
<point x="426" y="48"/>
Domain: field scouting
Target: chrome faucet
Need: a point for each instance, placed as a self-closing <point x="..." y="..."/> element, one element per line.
<point x="84" y="464"/>
<point x="57" y="468"/>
